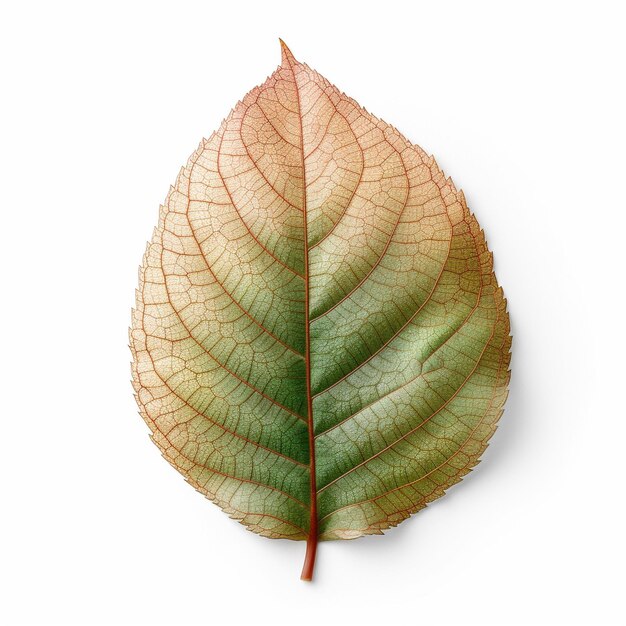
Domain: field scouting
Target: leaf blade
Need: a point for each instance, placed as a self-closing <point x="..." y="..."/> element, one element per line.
<point x="318" y="322"/>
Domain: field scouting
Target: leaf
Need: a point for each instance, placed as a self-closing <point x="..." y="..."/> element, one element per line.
<point x="320" y="344"/>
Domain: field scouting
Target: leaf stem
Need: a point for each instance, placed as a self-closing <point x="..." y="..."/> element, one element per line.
<point x="309" y="558"/>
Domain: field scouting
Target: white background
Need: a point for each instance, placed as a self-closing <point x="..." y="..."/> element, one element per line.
<point x="522" y="103"/>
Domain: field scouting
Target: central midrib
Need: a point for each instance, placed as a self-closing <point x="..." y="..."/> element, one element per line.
<point x="311" y="546"/>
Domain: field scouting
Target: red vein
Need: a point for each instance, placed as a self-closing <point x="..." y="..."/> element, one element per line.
<point x="384" y="251"/>
<point x="217" y="280"/>
<point x="399" y="331"/>
<point x="349" y="203"/>
<point x="447" y="461"/>
<point x="258" y="169"/>
<point x="243" y="480"/>
<point x="408" y="382"/>
<point x="192" y="337"/>
<point x="424" y="422"/>
<point x="226" y="369"/>
<point x="203" y="415"/>
<point x="309" y="560"/>
<point x="232" y="201"/>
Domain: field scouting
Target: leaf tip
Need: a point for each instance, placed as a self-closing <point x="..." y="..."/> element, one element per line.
<point x="287" y="56"/>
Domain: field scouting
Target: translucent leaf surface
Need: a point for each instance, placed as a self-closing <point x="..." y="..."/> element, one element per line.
<point x="320" y="344"/>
